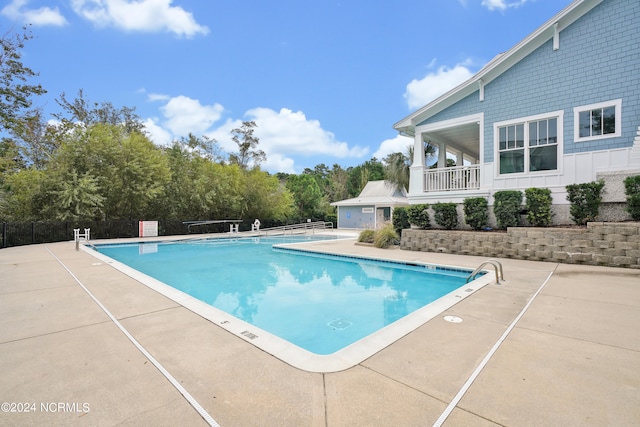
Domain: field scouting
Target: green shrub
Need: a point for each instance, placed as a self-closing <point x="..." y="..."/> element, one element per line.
<point x="538" y="206"/>
<point x="506" y="207"/>
<point x="366" y="236"/>
<point x="400" y="220"/>
<point x="476" y="212"/>
<point x="419" y="215"/>
<point x="333" y="218"/>
<point x="446" y="215"/>
<point x="585" y="201"/>
<point x="632" y="190"/>
<point x="385" y="237"/>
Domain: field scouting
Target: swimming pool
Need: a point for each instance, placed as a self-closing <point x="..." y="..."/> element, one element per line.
<point x="333" y="309"/>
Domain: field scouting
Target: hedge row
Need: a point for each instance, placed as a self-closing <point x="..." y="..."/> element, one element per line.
<point x="585" y="200"/>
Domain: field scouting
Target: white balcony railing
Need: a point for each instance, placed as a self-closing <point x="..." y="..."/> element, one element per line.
<point x="454" y="178"/>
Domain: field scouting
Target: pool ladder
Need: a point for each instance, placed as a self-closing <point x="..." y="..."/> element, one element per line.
<point x="496" y="266"/>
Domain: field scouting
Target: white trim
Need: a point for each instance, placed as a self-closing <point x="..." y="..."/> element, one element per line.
<point x="559" y="114"/>
<point x="576" y="120"/>
<point x="478" y="118"/>
<point x="416" y="179"/>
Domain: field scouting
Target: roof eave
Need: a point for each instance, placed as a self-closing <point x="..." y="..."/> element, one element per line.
<point x="498" y="65"/>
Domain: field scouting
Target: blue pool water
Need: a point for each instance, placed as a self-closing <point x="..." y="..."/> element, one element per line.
<point x="321" y="303"/>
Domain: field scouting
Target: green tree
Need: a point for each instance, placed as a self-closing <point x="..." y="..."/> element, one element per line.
<point x="15" y="90"/>
<point x="219" y="189"/>
<point x="35" y="140"/>
<point x="247" y="143"/>
<point x="24" y="199"/>
<point x="202" y="146"/>
<point x="396" y="169"/>
<point x="397" y="165"/>
<point x="321" y="174"/>
<point x="182" y="196"/>
<point x="78" y="198"/>
<point x="338" y="184"/>
<point x="89" y="113"/>
<point x="10" y="159"/>
<point x="129" y="170"/>
<point x="306" y="194"/>
<point x="266" y="198"/>
<point x="359" y="176"/>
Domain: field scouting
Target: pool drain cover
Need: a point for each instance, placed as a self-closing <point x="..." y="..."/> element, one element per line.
<point x="339" y="324"/>
<point x="453" y="319"/>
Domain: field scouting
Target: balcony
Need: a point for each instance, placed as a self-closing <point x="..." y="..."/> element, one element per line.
<point x="452" y="179"/>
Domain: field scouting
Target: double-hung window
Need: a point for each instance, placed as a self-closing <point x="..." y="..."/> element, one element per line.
<point x="597" y="121"/>
<point x="512" y="148"/>
<point x="530" y="144"/>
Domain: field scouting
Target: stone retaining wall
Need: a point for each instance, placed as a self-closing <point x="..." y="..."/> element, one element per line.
<point x="609" y="244"/>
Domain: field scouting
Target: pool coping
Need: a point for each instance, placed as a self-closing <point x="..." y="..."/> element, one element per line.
<point x="287" y="352"/>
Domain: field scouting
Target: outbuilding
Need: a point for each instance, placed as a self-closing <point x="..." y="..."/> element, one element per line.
<point x="373" y="207"/>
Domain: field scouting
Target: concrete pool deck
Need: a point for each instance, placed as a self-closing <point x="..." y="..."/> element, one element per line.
<point x="572" y="358"/>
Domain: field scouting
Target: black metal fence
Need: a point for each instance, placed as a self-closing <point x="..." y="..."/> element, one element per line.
<point x="29" y="233"/>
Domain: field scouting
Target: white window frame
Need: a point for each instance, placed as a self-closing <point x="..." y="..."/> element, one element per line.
<point x="559" y="115"/>
<point x="617" y="103"/>
<point x="368" y="210"/>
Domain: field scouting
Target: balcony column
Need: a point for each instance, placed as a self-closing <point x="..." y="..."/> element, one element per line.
<point x="416" y="171"/>
<point x="459" y="158"/>
<point x="442" y="155"/>
<point x="418" y="151"/>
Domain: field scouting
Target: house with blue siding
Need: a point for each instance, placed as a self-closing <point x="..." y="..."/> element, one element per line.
<point x="373" y="207"/>
<point x="560" y="107"/>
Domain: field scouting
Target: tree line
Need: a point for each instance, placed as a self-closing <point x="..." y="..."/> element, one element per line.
<point x="95" y="161"/>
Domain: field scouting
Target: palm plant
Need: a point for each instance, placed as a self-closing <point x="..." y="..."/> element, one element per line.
<point x="397" y="165"/>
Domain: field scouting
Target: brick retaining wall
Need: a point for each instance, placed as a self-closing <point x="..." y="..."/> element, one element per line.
<point x="610" y="244"/>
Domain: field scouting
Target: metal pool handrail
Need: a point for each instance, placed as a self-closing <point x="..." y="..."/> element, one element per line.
<point x="304" y="226"/>
<point x="496" y="266"/>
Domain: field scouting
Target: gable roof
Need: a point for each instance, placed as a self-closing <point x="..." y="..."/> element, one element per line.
<point x="500" y="63"/>
<point x="377" y="193"/>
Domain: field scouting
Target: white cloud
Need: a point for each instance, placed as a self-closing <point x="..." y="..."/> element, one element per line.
<point x="421" y="92"/>
<point x="158" y="97"/>
<point x="285" y="135"/>
<point x="17" y="11"/>
<point x="185" y="115"/>
<point x="140" y="15"/>
<point x="279" y="163"/>
<point x="398" y="144"/>
<point x="291" y="132"/>
<point x="502" y="4"/>
<point x="157" y="133"/>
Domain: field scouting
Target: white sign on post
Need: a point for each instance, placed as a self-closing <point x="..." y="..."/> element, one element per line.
<point x="148" y="228"/>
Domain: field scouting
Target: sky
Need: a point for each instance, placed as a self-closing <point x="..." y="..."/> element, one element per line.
<point x="324" y="80"/>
